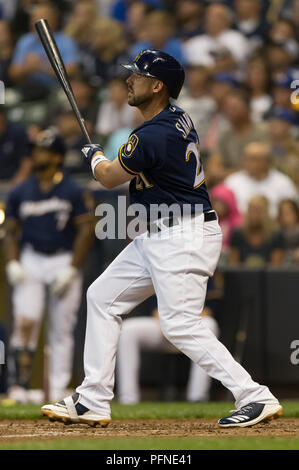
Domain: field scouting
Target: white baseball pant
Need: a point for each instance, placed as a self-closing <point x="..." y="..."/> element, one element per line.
<point x="29" y="302"/>
<point x="175" y="264"/>
<point x="144" y="334"/>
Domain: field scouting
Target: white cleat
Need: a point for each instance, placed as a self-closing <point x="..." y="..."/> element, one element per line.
<point x="70" y="410"/>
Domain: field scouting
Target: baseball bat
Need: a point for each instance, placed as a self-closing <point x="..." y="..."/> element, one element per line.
<point x="48" y="41"/>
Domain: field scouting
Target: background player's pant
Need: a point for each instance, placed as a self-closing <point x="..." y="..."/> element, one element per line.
<point x="144" y="334"/>
<point x="29" y="302"/>
<point x="176" y="263"/>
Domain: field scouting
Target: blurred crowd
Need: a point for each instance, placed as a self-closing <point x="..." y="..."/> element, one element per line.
<point x="242" y="76"/>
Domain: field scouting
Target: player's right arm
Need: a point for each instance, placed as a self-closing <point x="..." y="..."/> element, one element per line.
<point x="11" y="243"/>
<point x="14" y="270"/>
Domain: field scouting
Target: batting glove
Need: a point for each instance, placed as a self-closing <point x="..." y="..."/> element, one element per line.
<point x="15" y="272"/>
<point x="89" y="150"/>
<point x="63" y="280"/>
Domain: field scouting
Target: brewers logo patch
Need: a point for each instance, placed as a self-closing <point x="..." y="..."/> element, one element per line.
<point x="131" y="145"/>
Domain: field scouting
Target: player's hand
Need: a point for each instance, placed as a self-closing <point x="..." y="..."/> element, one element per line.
<point x="89" y="150"/>
<point x="63" y="280"/>
<point x="15" y="272"/>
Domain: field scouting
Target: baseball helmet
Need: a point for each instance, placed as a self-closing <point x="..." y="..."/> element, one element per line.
<point x="50" y="140"/>
<point x="159" y="64"/>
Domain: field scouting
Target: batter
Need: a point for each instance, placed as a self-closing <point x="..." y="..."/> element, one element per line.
<point x="173" y="258"/>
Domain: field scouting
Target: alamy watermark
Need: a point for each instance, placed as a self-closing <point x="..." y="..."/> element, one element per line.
<point x="122" y="222"/>
<point x="2" y="353"/>
<point x="294" y="358"/>
<point x="2" y="92"/>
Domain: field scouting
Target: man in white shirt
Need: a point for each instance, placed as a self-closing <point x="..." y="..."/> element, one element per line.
<point x="258" y="177"/>
<point x="220" y="48"/>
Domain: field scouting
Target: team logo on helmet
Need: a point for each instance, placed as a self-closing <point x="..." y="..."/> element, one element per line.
<point x="131" y="145"/>
<point x="45" y="138"/>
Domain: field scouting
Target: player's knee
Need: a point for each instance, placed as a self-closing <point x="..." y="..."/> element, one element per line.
<point x="95" y="297"/>
<point x="168" y="330"/>
<point x="25" y="329"/>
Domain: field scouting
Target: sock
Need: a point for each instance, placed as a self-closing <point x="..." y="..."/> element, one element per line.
<point x="20" y="365"/>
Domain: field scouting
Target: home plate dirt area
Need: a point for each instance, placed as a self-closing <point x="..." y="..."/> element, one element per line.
<point x="41" y="429"/>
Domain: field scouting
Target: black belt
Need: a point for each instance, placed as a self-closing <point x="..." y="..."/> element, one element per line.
<point x="51" y="252"/>
<point x="171" y="221"/>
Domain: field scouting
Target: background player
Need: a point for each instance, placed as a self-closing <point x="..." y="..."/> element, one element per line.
<point x="49" y="212"/>
<point x="174" y="258"/>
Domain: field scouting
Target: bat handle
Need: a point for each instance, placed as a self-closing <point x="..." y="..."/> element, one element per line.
<point x="84" y="130"/>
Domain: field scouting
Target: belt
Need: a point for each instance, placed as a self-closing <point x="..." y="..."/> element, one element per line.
<point x="171" y="221"/>
<point x="49" y="252"/>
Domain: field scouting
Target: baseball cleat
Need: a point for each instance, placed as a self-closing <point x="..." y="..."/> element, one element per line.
<point x="70" y="410"/>
<point x="250" y="415"/>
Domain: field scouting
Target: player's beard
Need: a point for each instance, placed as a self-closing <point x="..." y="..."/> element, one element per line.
<point x="134" y="100"/>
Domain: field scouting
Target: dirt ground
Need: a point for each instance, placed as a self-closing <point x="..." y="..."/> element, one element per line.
<point x="17" y="430"/>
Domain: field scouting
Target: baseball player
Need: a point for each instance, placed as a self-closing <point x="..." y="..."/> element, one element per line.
<point x="174" y="257"/>
<point x="43" y="265"/>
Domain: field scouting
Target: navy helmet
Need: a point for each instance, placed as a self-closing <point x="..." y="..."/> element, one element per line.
<point x="159" y="64"/>
<point x="51" y="140"/>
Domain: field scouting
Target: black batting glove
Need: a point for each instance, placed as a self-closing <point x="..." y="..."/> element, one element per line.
<point x="89" y="150"/>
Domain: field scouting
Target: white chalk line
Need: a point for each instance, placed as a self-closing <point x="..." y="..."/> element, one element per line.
<point x="44" y="434"/>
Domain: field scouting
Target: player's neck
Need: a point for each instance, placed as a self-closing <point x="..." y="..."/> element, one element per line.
<point x="48" y="178"/>
<point x="152" y="109"/>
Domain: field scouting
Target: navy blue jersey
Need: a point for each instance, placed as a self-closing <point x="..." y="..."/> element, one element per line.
<point x="47" y="219"/>
<point x="164" y="155"/>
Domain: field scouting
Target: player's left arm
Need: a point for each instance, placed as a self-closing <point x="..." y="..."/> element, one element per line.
<point x="84" y="226"/>
<point x="109" y="174"/>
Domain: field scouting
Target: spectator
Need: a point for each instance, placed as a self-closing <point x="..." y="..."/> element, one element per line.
<point x="250" y="22"/>
<point x="109" y="47"/>
<point x="196" y="100"/>
<point x="221" y="84"/>
<point x="6" y="51"/>
<point x="281" y="56"/>
<point x="143" y="333"/>
<point x="159" y="30"/>
<point x="30" y="68"/>
<point x="15" y="164"/>
<point x="283" y="29"/>
<point x="225" y="204"/>
<point x="220" y="48"/>
<point x="189" y="14"/>
<point x="242" y="130"/>
<point x="257" y="242"/>
<point x="85" y="96"/>
<point x="120" y="8"/>
<point x="258" y="177"/>
<point x="258" y="84"/>
<point x="288" y="217"/>
<point x="79" y="26"/>
<point x="135" y="18"/>
<point x="284" y="147"/>
<point x="295" y="14"/>
<point x="115" y="113"/>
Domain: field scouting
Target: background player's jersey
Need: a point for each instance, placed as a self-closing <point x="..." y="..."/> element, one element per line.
<point x="47" y="219"/>
<point x="164" y="155"/>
